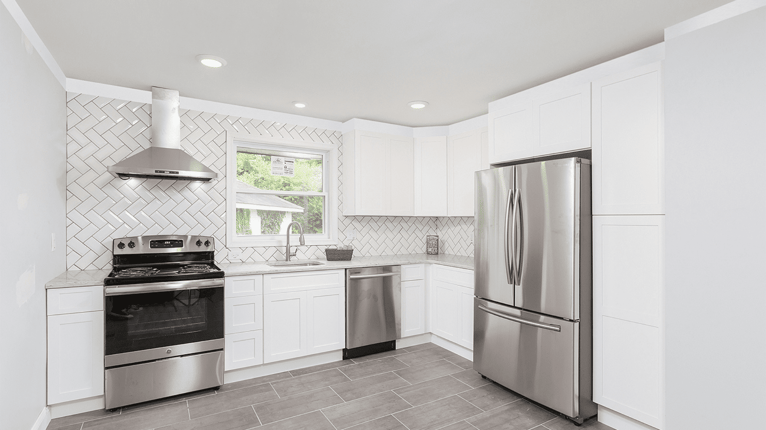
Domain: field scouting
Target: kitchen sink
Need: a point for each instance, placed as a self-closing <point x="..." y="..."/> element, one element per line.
<point x="294" y="263"/>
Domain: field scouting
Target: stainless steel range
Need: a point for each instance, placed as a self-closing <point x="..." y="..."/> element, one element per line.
<point x="164" y="318"/>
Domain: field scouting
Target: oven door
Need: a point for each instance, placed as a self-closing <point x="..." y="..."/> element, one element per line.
<point x="160" y="320"/>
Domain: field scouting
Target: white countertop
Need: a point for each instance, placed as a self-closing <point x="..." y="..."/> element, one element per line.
<point x="89" y="278"/>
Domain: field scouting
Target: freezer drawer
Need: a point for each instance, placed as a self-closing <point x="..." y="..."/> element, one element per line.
<point x="533" y="355"/>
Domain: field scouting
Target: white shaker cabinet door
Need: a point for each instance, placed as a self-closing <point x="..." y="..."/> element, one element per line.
<point x="628" y="315"/>
<point x="510" y="133"/>
<point x="465" y="312"/>
<point x="431" y="176"/>
<point x="445" y="305"/>
<point x="243" y="314"/>
<point x="75" y="356"/>
<point x="372" y="186"/>
<point x="326" y="318"/>
<point x="284" y="326"/>
<point x="244" y="349"/>
<point x="413" y="307"/>
<point x="401" y="177"/>
<point x="561" y="121"/>
<point x="628" y="147"/>
<point x="464" y="160"/>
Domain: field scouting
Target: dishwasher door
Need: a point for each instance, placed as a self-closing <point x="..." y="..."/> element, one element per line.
<point x="373" y="305"/>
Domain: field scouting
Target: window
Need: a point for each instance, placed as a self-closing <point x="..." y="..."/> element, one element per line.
<point x="274" y="182"/>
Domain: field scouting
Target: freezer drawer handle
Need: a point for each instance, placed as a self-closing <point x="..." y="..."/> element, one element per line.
<point x="521" y="321"/>
<point x="376" y="275"/>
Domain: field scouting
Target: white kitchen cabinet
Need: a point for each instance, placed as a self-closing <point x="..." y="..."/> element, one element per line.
<point x="464" y="155"/>
<point x="452" y="304"/>
<point x="243" y="349"/>
<point x="628" y="148"/>
<point x="304" y="314"/>
<point x="75" y="299"/>
<point x="243" y="321"/>
<point x="431" y="176"/>
<point x="628" y="315"/>
<point x="510" y="132"/>
<point x="561" y="121"/>
<point x="243" y="286"/>
<point x="243" y="314"/>
<point x="378" y="174"/>
<point x="75" y="356"/>
<point x="413" y="302"/>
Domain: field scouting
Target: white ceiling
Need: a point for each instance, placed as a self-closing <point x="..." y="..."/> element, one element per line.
<point x="349" y="58"/>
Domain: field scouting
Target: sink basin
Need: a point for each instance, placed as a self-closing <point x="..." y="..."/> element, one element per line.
<point x="294" y="263"/>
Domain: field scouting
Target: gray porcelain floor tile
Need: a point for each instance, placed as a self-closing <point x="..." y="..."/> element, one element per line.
<point x="255" y="381"/>
<point x="386" y="423"/>
<point x="425" y="371"/>
<point x="368" y="386"/>
<point x="62" y="422"/>
<point x="380" y="355"/>
<point x="429" y="391"/>
<point x="310" y="382"/>
<point x="519" y="415"/>
<point x="365" y="409"/>
<point x="142" y="420"/>
<point x="370" y="368"/>
<point x="427" y="356"/>
<point x="564" y="424"/>
<point x="437" y="414"/>
<point x="229" y="400"/>
<point x="276" y="410"/>
<point x="460" y="425"/>
<point x="321" y="367"/>
<point x="490" y="396"/>
<point x="470" y="377"/>
<point x="460" y="361"/>
<point x="420" y="347"/>
<point x="238" y="419"/>
<point x="313" y="421"/>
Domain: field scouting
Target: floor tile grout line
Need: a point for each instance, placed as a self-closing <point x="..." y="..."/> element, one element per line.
<point x="400" y="421"/>
<point x="260" y="423"/>
<point x="188" y="410"/>
<point x="336" y="393"/>
<point x="328" y="420"/>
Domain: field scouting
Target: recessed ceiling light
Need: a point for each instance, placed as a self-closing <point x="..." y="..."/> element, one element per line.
<point x="299" y="104"/>
<point x="211" y="60"/>
<point x="418" y="104"/>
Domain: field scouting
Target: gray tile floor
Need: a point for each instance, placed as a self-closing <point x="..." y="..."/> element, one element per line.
<point x="417" y="388"/>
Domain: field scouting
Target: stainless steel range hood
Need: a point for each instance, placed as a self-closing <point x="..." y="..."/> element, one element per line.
<point x="165" y="159"/>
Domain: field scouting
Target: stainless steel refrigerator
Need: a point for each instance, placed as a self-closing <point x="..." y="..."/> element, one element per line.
<point x="532" y="310"/>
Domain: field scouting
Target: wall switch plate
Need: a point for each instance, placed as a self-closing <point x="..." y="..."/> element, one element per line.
<point x="53" y="242"/>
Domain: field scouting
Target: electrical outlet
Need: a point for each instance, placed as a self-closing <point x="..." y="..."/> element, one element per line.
<point x="53" y="242"/>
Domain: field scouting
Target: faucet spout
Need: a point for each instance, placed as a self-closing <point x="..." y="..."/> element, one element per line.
<point x="301" y="239"/>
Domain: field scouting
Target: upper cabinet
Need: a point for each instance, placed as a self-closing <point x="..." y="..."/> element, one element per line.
<point x="431" y="176"/>
<point x="464" y="159"/>
<point x="550" y="123"/>
<point x="628" y="148"/>
<point x="378" y="174"/>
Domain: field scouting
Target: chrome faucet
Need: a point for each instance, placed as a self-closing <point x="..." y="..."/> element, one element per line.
<point x="302" y="240"/>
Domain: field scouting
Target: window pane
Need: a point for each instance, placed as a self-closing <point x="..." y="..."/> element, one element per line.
<point x="306" y="210"/>
<point x="254" y="168"/>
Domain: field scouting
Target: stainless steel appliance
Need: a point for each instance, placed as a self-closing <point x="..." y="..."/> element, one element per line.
<point x="373" y="303"/>
<point x="532" y="310"/>
<point x="164" y="319"/>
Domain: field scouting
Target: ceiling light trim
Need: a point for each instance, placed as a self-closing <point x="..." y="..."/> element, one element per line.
<point x="212" y="61"/>
<point x="418" y="104"/>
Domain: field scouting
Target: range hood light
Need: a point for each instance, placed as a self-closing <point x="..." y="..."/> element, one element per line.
<point x="211" y="61"/>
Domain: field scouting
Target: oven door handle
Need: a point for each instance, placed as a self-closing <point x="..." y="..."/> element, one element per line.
<point x="158" y="287"/>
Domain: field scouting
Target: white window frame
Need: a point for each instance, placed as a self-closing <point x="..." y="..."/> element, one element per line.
<point x="330" y="166"/>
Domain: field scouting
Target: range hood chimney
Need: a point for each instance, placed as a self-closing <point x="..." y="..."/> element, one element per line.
<point x="165" y="159"/>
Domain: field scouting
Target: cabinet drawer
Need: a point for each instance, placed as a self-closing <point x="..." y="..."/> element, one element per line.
<point x="413" y="272"/>
<point x="239" y="286"/>
<point x="303" y="281"/>
<point x="74" y="300"/>
<point x="452" y="275"/>
<point x="244" y="349"/>
<point x="243" y="314"/>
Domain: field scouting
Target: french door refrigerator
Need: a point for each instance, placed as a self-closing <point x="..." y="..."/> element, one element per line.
<point x="532" y="310"/>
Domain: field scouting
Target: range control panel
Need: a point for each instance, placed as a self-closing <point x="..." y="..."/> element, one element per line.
<point x="162" y="244"/>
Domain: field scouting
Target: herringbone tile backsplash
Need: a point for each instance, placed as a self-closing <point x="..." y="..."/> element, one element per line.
<point x="100" y="207"/>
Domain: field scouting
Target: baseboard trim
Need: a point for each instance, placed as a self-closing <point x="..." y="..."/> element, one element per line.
<point x="619" y="421"/>
<point x="452" y="347"/>
<point x="237" y="375"/>
<point x="43" y="419"/>
<point x="77" y="406"/>
<point x="413" y="340"/>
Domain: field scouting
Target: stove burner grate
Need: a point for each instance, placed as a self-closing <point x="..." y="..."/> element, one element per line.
<point x="135" y="272"/>
<point x="196" y="268"/>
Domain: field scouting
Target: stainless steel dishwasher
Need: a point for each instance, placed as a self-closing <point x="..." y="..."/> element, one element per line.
<point x="373" y="310"/>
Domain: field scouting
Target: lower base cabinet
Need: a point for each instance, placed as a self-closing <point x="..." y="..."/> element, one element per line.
<point x="244" y="349"/>
<point x="75" y="356"/>
<point x="452" y="305"/>
<point x="413" y="307"/>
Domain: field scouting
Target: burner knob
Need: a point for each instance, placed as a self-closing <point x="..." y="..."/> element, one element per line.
<point x="199" y="242"/>
<point x="131" y="244"/>
<point x="207" y="243"/>
<point x="121" y="245"/>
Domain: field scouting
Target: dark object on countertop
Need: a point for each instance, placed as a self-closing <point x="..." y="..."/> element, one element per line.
<point x="432" y="244"/>
<point x="337" y="254"/>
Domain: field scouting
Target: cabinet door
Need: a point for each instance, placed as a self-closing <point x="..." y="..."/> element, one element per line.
<point x="413" y="308"/>
<point x="243" y="314"/>
<point x="284" y="326"/>
<point x="326" y="320"/>
<point x="464" y="155"/>
<point x="465" y="311"/>
<point x="510" y="133"/>
<point x="241" y="286"/>
<point x="431" y="176"/>
<point x="627" y="315"/>
<point x="561" y="121"/>
<point x="75" y="356"/>
<point x="244" y="349"/>
<point x="628" y="148"/>
<point x="445" y="306"/>
<point x="371" y="174"/>
<point x="401" y="177"/>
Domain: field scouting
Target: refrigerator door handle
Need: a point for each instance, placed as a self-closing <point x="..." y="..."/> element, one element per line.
<point x="508" y="258"/>
<point x="516" y="250"/>
<point x="520" y="320"/>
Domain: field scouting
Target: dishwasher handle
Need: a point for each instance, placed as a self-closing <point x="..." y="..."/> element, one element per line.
<point x="374" y="275"/>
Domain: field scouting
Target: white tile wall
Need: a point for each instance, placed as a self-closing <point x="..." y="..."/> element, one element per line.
<point x="103" y="131"/>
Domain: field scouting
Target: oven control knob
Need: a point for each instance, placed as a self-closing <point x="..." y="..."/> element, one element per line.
<point x="207" y="243"/>
<point x="199" y="242"/>
<point x="168" y="351"/>
<point x="121" y="245"/>
<point x="131" y="244"/>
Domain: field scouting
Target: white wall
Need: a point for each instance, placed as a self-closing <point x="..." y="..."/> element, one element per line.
<point x="715" y="116"/>
<point x="33" y="199"/>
